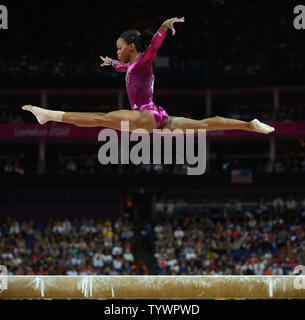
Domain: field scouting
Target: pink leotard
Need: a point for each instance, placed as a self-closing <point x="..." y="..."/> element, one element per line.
<point x="140" y="80"/>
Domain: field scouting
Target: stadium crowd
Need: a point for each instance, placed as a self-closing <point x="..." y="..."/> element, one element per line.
<point x="183" y="237"/>
<point x="69" y="247"/>
<point x="88" y="164"/>
<point x="267" y="239"/>
<point x="243" y="45"/>
<point x="12" y="164"/>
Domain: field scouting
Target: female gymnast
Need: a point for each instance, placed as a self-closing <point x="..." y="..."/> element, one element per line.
<point x="136" y="60"/>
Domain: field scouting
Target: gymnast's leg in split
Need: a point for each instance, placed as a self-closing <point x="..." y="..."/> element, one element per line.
<point x="143" y="119"/>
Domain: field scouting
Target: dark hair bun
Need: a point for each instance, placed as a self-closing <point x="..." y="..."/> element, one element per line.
<point x="147" y="35"/>
<point x="141" y="40"/>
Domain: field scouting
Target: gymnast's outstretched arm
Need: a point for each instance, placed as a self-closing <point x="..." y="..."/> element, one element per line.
<point x="169" y="24"/>
<point x="118" y="65"/>
<point x="156" y="42"/>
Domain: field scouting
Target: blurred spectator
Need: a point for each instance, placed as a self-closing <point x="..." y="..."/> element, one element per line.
<point x="278" y="204"/>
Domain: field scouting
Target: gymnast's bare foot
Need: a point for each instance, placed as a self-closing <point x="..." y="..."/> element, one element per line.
<point x="257" y="126"/>
<point x="42" y="115"/>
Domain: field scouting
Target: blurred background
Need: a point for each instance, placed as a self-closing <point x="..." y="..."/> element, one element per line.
<point x="62" y="212"/>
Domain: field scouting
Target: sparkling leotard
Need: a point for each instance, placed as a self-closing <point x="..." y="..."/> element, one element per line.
<point x="140" y="80"/>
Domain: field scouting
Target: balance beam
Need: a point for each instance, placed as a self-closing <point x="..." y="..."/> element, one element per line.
<point x="154" y="287"/>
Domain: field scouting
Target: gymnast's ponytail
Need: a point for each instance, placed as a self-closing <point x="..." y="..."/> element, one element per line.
<point x="141" y="40"/>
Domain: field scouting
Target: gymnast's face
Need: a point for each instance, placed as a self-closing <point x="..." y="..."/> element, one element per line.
<point x="124" y="50"/>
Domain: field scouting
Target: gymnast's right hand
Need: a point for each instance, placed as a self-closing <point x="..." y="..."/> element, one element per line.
<point x="107" y="61"/>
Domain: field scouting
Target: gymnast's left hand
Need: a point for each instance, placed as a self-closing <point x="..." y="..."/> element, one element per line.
<point x="107" y="61"/>
<point x="169" y="24"/>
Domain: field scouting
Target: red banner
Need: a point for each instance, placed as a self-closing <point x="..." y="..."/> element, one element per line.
<point x="53" y="131"/>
